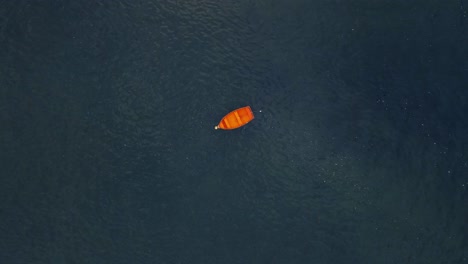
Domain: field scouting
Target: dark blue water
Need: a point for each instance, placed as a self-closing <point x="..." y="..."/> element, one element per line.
<point x="108" y="152"/>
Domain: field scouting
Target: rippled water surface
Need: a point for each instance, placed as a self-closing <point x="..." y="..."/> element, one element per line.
<point x="109" y="155"/>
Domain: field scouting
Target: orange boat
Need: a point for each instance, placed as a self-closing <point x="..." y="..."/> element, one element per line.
<point x="236" y="118"/>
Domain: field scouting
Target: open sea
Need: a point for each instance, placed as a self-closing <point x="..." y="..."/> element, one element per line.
<point x="358" y="152"/>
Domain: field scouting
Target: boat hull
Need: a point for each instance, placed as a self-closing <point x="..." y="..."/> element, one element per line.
<point x="235" y="119"/>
